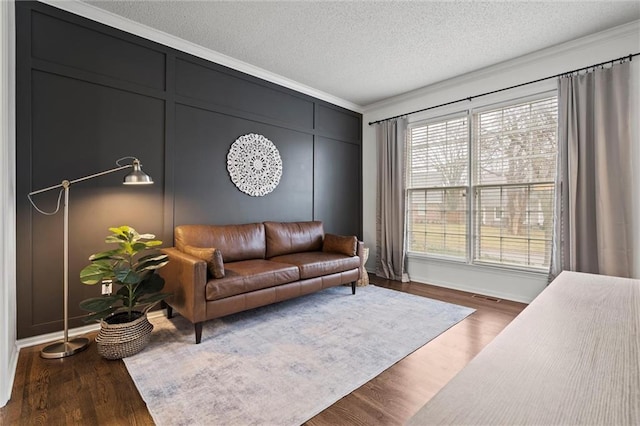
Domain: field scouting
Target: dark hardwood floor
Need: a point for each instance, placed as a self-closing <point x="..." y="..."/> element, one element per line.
<point x="86" y="389"/>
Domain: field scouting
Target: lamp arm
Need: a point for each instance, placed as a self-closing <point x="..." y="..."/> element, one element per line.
<point x="65" y="185"/>
<point x="71" y="182"/>
<point x="106" y="172"/>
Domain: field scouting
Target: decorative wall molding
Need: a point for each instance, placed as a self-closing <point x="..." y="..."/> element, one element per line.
<point x="111" y="19"/>
<point x="254" y="165"/>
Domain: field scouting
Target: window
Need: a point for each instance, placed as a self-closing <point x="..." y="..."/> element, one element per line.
<point x="438" y="181"/>
<point x="514" y="170"/>
<point x="498" y="194"/>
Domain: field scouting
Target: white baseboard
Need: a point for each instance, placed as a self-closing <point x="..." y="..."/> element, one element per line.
<point x="11" y="371"/>
<point x="472" y="289"/>
<point x="74" y="332"/>
<point x="468" y="289"/>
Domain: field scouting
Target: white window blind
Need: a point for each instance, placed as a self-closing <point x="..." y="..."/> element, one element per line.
<point x="438" y="178"/>
<point x="507" y="179"/>
<point x="514" y="170"/>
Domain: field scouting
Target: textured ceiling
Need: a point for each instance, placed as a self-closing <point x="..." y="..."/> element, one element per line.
<point x="363" y="51"/>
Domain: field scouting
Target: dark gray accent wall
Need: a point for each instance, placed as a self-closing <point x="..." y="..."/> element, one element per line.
<point x="88" y="94"/>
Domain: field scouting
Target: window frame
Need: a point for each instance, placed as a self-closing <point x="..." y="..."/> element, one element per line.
<point x="470" y="114"/>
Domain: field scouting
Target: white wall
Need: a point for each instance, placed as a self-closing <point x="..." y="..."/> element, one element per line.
<point x="635" y="135"/>
<point x="514" y="285"/>
<point x="8" y="350"/>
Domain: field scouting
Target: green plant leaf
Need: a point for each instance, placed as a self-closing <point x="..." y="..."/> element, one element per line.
<point x="93" y="274"/>
<point x="153" y="284"/>
<point x="156" y="266"/>
<point x="100" y="315"/>
<point x="123" y="291"/>
<point x="153" y="256"/>
<point x="153" y="243"/>
<point x="106" y="264"/>
<point x="95" y="304"/>
<point x="151" y="262"/>
<point x="127" y="276"/>
<point x="115" y="239"/>
<point x="139" y="246"/>
<point x="147" y="236"/>
<point x="105" y="255"/>
<point x="153" y="298"/>
<point x="123" y="230"/>
<point x="140" y="289"/>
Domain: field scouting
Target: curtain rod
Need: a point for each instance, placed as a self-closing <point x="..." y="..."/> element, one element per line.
<point x="469" y="98"/>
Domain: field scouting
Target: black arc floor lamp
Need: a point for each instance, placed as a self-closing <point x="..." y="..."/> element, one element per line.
<point x="136" y="177"/>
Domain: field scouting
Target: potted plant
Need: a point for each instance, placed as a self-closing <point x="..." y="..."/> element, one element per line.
<point x="124" y="327"/>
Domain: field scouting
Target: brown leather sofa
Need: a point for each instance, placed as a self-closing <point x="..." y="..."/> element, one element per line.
<point x="216" y="270"/>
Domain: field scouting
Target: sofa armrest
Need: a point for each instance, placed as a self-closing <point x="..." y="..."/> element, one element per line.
<point x="185" y="277"/>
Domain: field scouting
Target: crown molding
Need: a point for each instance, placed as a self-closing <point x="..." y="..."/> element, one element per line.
<point x="102" y="16"/>
<point x="631" y="29"/>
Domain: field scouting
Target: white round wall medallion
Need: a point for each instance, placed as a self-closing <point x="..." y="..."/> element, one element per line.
<point x="254" y="164"/>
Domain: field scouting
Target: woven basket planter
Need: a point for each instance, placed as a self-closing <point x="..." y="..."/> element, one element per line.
<point x="115" y="341"/>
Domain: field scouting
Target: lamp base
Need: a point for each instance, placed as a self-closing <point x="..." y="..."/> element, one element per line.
<point x="64" y="349"/>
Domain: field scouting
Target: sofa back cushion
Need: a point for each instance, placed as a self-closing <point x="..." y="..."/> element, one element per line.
<point x="293" y="237"/>
<point x="235" y="242"/>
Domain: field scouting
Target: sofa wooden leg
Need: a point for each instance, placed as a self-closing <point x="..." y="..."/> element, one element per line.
<point x="198" y="328"/>
<point x="168" y="308"/>
<point x="353" y="287"/>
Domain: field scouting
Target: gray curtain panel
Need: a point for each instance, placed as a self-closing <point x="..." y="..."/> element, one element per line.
<point x="593" y="222"/>
<point x="390" y="199"/>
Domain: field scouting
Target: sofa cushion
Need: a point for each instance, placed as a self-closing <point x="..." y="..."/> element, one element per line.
<point x="248" y="275"/>
<point x="236" y="242"/>
<point x="318" y="263"/>
<point x="211" y="255"/>
<point x="340" y="244"/>
<point x="292" y="237"/>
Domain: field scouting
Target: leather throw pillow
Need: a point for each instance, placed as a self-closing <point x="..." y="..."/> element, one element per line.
<point x="340" y="244"/>
<point x="211" y="255"/>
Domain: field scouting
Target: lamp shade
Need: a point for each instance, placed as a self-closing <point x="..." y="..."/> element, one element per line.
<point x="137" y="176"/>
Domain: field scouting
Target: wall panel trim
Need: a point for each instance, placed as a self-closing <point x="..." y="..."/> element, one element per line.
<point x="115" y="21"/>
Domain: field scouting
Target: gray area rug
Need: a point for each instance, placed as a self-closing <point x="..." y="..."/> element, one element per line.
<point x="282" y="364"/>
